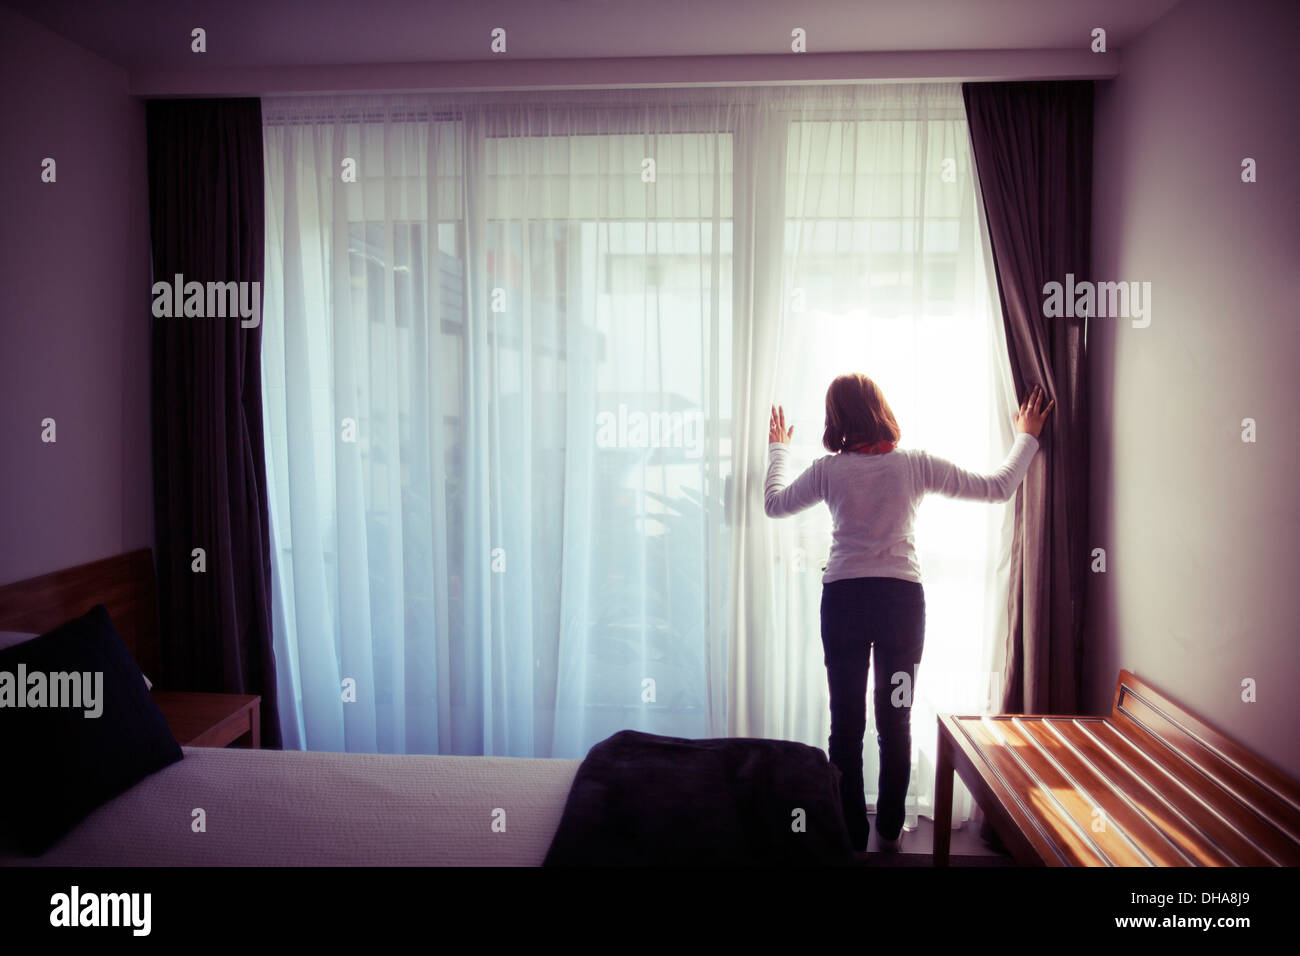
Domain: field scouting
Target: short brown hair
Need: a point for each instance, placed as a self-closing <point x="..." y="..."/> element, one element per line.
<point x="857" y="413"/>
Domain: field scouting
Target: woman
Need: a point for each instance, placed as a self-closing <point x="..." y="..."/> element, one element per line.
<point x="872" y="599"/>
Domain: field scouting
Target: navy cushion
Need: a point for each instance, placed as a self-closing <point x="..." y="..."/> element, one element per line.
<point x="60" y="763"/>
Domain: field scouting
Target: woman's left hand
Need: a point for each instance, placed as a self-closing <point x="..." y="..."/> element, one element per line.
<point x="776" y="430"/>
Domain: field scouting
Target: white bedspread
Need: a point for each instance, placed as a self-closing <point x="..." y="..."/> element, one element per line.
<point x="295" y="808"/>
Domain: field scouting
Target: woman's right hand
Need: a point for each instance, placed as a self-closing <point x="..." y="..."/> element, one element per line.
<point x="1032" y="414"/>
<point x="776" y="430"/>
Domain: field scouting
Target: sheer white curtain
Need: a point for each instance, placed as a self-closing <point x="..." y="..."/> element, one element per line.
<point x="880" y="255"/>
<point x="495" y="377"/>
<point x="519" y="350"/>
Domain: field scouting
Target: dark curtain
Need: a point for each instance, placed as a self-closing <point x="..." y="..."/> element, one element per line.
<point x="1033" y="153"/>
<point x="206" y="219"/>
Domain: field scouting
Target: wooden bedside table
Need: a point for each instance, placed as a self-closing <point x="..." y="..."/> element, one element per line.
<point x="211" y="720"/>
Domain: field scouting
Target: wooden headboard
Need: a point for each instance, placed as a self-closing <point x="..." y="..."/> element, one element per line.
<point x="124" y="584"/>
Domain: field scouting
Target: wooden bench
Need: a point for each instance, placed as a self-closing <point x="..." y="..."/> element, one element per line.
<point x="1148" y="785"/>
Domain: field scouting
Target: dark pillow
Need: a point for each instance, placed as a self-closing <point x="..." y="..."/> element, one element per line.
<point x="60" y="764"/>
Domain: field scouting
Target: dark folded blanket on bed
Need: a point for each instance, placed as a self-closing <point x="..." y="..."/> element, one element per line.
<point x="641" y="799"/>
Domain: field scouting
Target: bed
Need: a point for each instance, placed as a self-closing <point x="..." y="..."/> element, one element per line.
<point x="364" y="809"/>
<point x="285" y="808"/>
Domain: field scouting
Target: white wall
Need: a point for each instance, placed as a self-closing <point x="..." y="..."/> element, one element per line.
<point x="74" y="307"/>
<point x="1201" y="531"/>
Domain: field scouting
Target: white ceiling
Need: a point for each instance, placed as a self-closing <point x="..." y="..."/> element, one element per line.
<point x="154" y="34"/>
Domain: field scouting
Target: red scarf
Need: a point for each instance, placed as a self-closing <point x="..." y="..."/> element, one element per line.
<point x="873" y="448"/>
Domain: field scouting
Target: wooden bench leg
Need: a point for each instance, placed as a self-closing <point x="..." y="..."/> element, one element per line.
<point x="942" y="801"/>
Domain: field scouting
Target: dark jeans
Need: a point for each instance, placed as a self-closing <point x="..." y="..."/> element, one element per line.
<point x="884" y="617"/>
